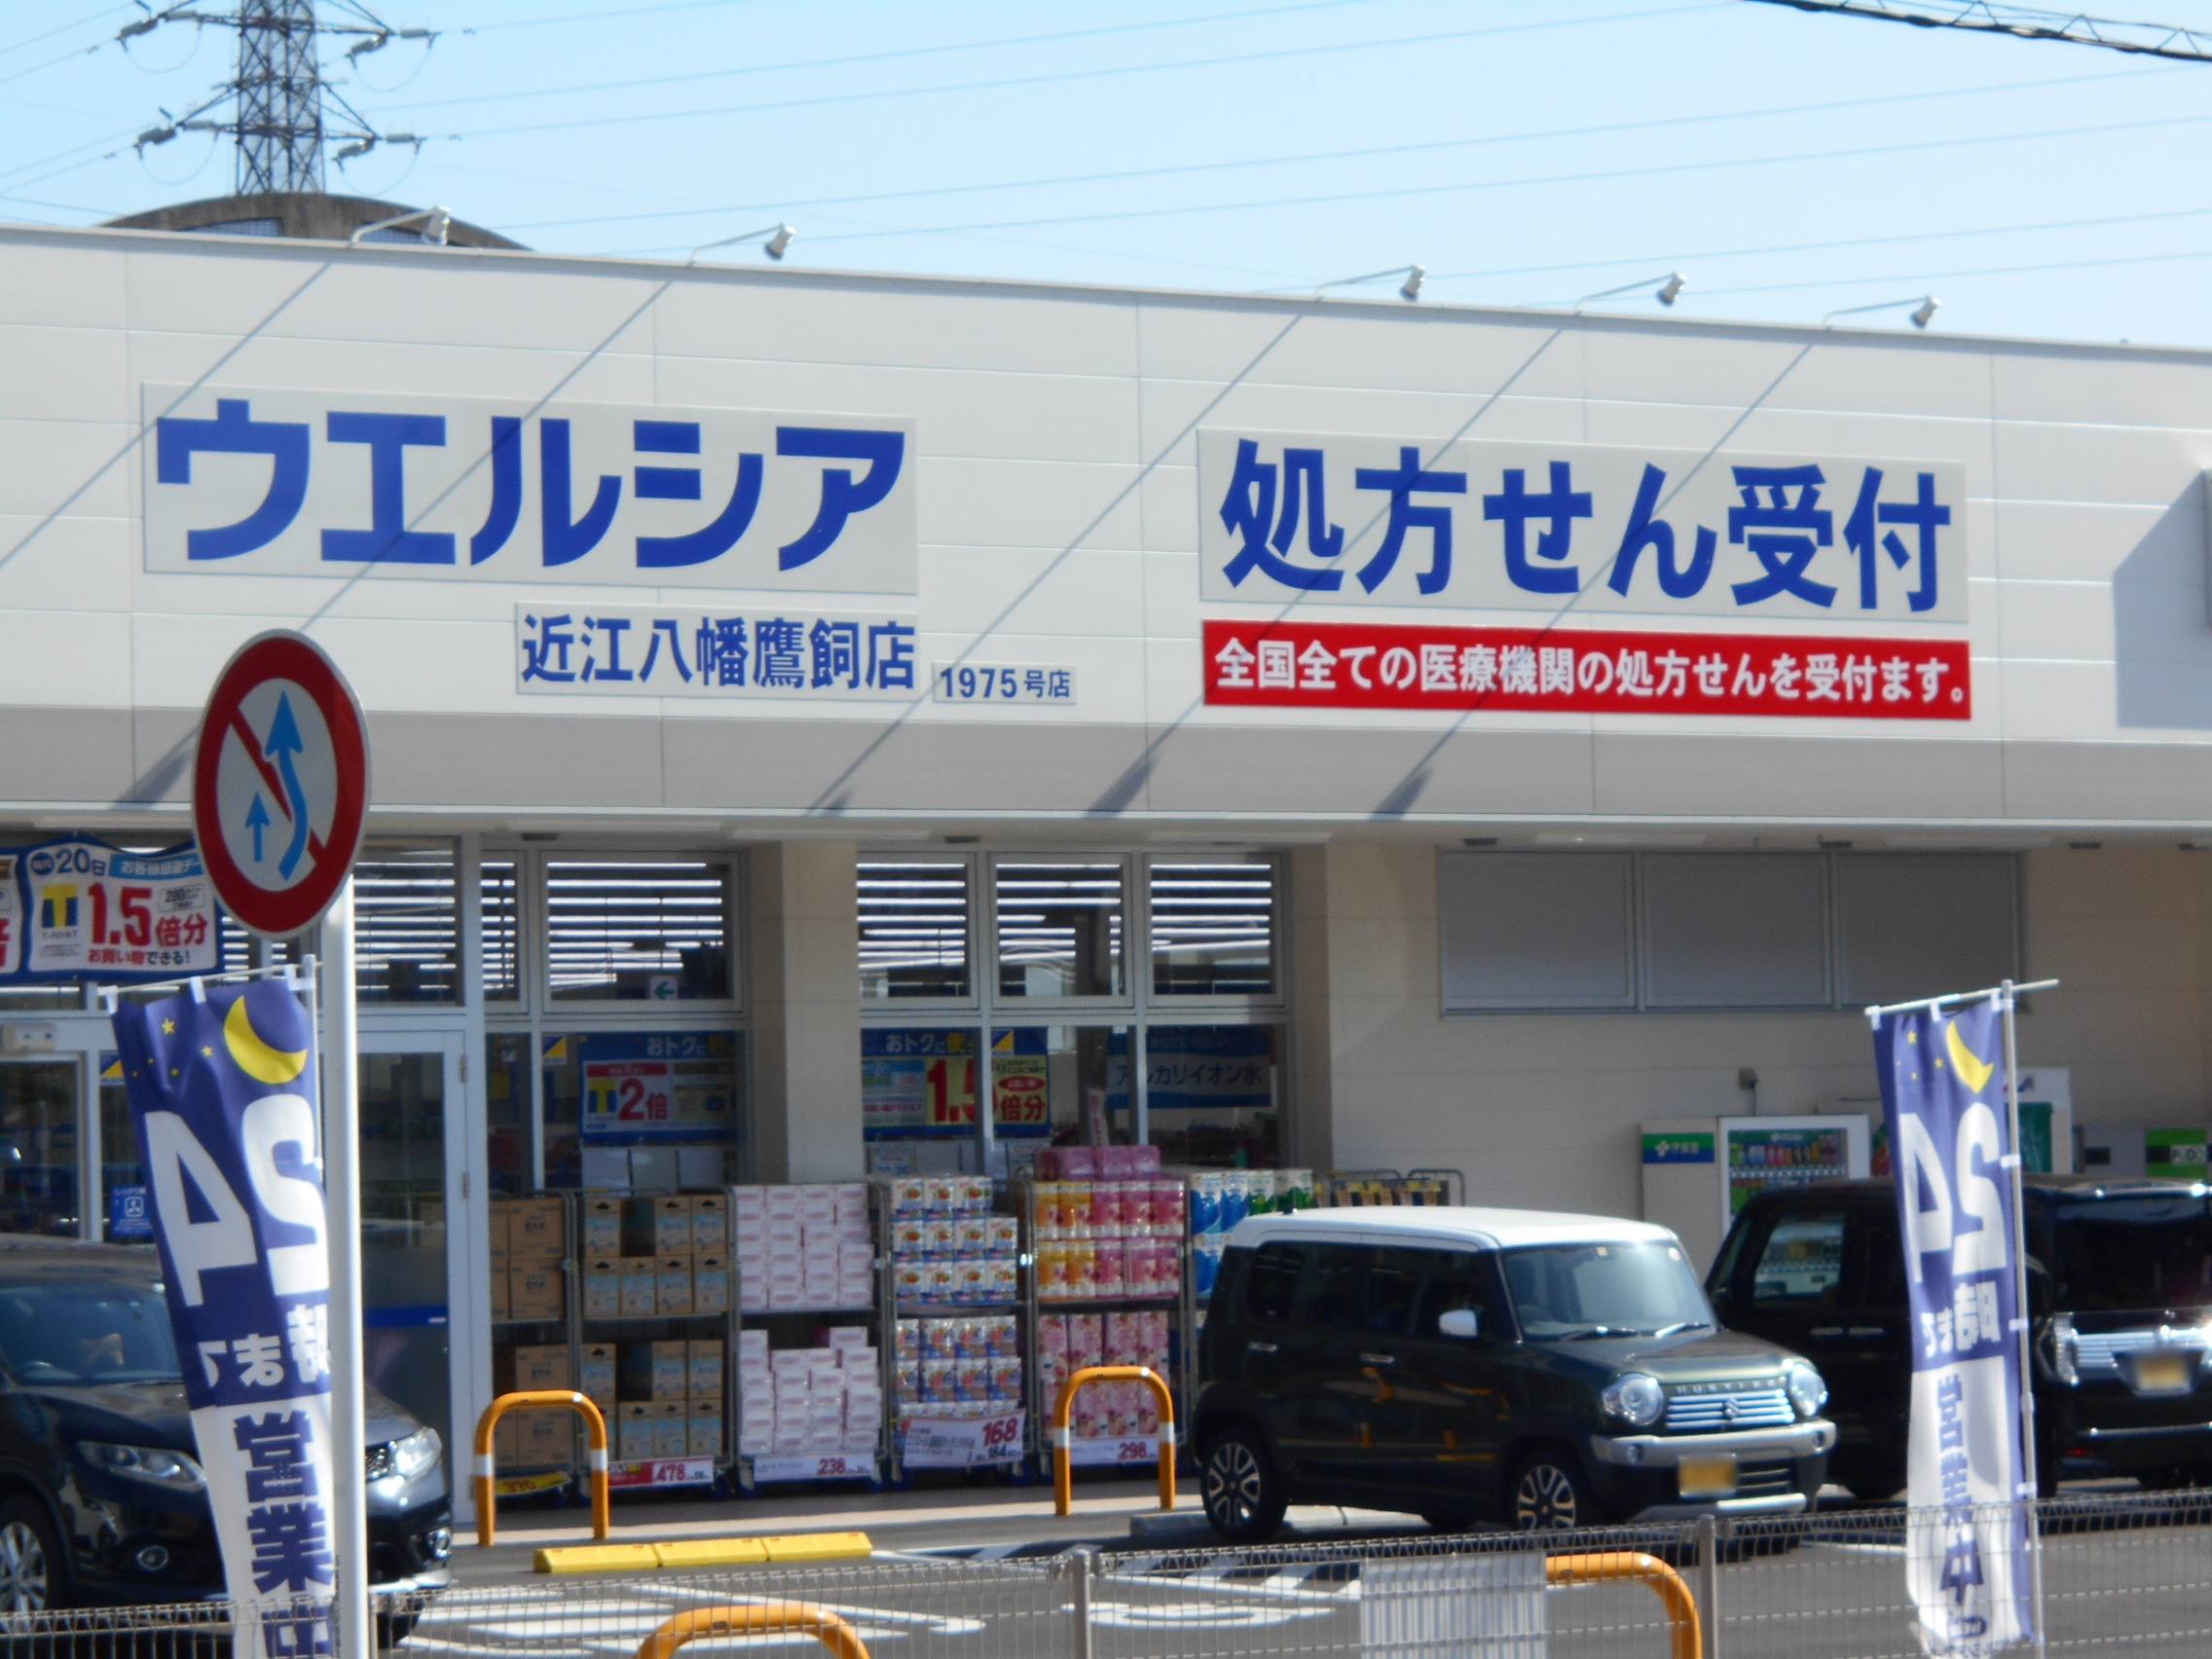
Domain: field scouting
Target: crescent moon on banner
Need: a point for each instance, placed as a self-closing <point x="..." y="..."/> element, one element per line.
<point x="256" y="1059"/>
<point x="1973" y="1069"/>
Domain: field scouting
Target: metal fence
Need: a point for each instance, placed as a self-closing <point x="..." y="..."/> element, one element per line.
<point x="2130" y="1575"/>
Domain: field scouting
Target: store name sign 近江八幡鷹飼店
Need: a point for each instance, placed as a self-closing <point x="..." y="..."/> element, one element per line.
<point x="1335" y="521"/>
<point x="296" y="483"/>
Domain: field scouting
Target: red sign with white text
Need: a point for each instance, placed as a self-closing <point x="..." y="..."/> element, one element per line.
<point x="1357" y="665"/>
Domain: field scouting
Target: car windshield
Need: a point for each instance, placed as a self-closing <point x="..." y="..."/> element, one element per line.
<point x="64" y="1332"/>
<point x="2118" y="1255"/>
<point x="1562" y="1291"/>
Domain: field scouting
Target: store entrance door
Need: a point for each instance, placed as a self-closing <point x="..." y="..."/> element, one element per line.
<point x="412" y="1259"/>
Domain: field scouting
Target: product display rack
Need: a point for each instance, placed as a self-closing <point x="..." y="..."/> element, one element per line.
<point x="1177" y="1303"/>
<point x="707" y="1467"/>
<point x="1017" y="1458"/>
<point x="519" y="1476"/>
<point x="752" y="1470"/>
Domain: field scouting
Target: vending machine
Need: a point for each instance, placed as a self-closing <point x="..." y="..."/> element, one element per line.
<point x="1698" y="1172"/>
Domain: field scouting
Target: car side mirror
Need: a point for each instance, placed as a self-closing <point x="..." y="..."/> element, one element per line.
<point x="1460" y="1322"/>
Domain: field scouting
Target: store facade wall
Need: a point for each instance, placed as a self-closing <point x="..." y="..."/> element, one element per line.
<point x="1545" y="1109"/>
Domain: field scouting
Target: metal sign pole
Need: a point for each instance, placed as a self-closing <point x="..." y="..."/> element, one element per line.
<point x="2026" y="1318"/>
<point x="342" y="1189"/>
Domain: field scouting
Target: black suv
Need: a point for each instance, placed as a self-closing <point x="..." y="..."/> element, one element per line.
<point x="2119" y="1290"/>
<point x="101" y="1498"/>
<point x="1551" y="1371"/>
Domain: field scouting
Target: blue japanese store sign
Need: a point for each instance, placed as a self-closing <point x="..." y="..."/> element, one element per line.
<point x="738" y="651"/>
<point x="222" y="1087"/>
<point x="1536" y="527"/>
<point x="297" y="483"/>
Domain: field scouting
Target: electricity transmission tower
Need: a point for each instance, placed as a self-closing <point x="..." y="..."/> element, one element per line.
<point x="281" y="109"/>
<point x="2150" y="40"/>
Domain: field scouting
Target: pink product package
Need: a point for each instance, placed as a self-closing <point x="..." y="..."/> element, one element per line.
<point x="1085" y="1340"/>
<point x="1167" y="1208"/>
<point x="1078" y="1162"/>
<point x="1136" y="1207"/>
<point x="1109" y="1214"/>
<point x="1052" y="1335"/>
<point x="1114" y="1163"/>
<point x="1144" y="1161"/>
<point x="1109" y="1268"/>
<point x="1118" y="1338"/>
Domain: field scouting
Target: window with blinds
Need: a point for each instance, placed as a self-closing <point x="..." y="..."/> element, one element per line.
<point x="915" y="922"/>
<point x="638" y="930"/>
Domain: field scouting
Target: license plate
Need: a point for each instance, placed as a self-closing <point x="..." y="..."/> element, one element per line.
<point x="2163" y="1373"/>
<point x="1708" y="1477"/>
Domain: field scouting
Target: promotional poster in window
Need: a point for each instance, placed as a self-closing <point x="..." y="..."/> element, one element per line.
<point x="1968" y="1540"/>
<point x="222" y="1087"/>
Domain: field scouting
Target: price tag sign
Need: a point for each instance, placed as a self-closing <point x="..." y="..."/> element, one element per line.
<point x="1131" y="1449"/>
<point x="662" y="1472"/>
<point x="963" y="1443"/>
<point x="815" y="1466"/>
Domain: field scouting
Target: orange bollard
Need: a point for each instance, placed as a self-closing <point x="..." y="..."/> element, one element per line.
<point x="1064" y="1472"/>
<point x="825" y="1626"/>
<point x="595" y="1454"/>
<point x="1682" y="1607"/>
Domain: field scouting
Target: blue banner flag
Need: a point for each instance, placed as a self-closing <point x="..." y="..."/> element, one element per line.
<point x="222" y="1091"/>
<point x="1968" y="1476"/>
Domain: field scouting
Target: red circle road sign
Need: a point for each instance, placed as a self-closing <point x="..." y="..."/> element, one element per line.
<point x="279" y="784"/>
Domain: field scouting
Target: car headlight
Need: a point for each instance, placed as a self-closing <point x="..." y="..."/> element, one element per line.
<point x="152" y="1465"/>
<point x="1807" y="1393"/>
<point x="1635" y="1399"/>
<point x="2064" y="1350"/>
<point x="416" y="1452"/>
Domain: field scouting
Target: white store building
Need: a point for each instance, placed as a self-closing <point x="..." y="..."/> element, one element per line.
<point x="1344" y="734"/>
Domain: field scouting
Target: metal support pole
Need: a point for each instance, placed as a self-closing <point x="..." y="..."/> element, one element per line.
<point x="2025" y="1334"/>
<point x="341" y="1197"/>
<point x="1080" y="1564"/>
<point x="1709" y="1582"/>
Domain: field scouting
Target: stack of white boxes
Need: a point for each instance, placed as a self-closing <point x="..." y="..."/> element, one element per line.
<point x="803" y="1247"/>
<point x="811" y="1401"/>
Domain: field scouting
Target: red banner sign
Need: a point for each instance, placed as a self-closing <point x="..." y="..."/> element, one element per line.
<point x="1295" y="664"/>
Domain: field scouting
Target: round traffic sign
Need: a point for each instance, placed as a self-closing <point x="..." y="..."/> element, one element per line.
<point x="279" y="784"/>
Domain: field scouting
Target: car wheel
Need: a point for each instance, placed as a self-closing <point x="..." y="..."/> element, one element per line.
<point x="30" y="1559"/>
<point x="1243" y="1499"/>
<point x="1551" y="1496"/>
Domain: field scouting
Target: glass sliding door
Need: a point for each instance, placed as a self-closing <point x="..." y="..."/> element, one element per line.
<point x="412" y="1262"/>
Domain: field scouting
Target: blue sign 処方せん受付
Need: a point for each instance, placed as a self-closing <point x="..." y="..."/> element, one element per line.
<point x="1968" y="1543"/>
<point x="222" y="1093"/>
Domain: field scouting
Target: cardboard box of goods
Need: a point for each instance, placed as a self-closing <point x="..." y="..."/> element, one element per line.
<point x="672" y="1287"/>
<point x="817" y="1205"/>
<point x="672" y="1427"/>
<point x="704" y="1438"/>
<point x="789" y="1362"/>
<point x="653" y="1371"/>
<point x="634" y="1432"/>
<point x="501" y="1300"/>
<point x="534" y="1291"/>
<point x="594" y="1374"/>
<point x="855" y="1292"/>
<point x="545" y="1436"/>
<point x="709" y="1223"/>
<point x="782" y="1234"/>
<point x="710" y="1284"/>
<point x="507" y="1439"/>
<point x="602" y="1226"/>
<point x="496" y="1212"/>
<point x="602" y="1288"/>
<point x="641" y="1286"/>
<point x="780" y="1203"/>
<point x="703" y="1368"/>
<point x="752" y="1342"/>
<point x="539" y="1366"/>
<point x="838" y="1336"/>
<point x="747" y="1198"/>
<point x="538" y="1230"/>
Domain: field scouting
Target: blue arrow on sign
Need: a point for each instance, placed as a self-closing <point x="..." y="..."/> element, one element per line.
<point x="284" y="742"/>
<point x="257" y="819"/>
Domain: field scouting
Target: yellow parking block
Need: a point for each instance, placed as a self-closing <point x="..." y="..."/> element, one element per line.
<point x="598" y="1558"/>
<point x="818" y="1546"/>
<point x="705" y="1552"/>
<point x="712" y="1552"/>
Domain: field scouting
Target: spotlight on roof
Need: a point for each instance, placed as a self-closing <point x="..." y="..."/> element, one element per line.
<point x="1410" y="289"/>
<point x="1669" y="290"/>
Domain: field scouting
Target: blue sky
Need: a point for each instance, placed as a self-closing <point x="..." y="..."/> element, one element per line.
<point x="1530" y="153"/>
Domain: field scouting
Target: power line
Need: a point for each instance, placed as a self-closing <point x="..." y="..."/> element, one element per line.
<point x="1977" y="271"/>
<point x="1369" y="153"/>
<point x="1335" y="197"/>
<point x="881" y="57"/>
<point x="593" y="17"/>
<point x="1063" y="77"/>
<point x="63" y="29"/>
<point x="2021" y="22"/>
